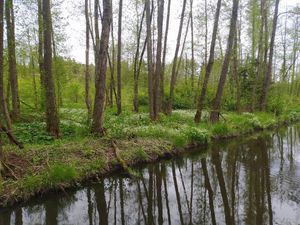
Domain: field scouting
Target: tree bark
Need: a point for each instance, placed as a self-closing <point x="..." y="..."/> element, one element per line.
<point x="3" y="105"/>
<point x="214" y="115"/>
<point x="41" y="53"/>
<point x="119" y="86"/>
<point x="268" y="75"/>
<point x="136" y="61"/>
<point x="150" y="60"/>
<point x="260" y="66"/>
<point x="162" y="79"/>
<point x="12" y="67"/>
<point x="87" y="61"/>
<point x="174" y="67"/>
<point x="157" y="93"/>
<point x="100" y="79"/>
<point x="209" y="65"/>
<point x="192" y="45"/>
<point x="52" y="119"/>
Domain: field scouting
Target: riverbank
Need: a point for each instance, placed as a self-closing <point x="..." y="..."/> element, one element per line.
<point x="130" y="139"/>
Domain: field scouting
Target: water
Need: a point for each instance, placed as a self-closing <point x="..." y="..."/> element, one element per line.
<point x="244" y="181"/>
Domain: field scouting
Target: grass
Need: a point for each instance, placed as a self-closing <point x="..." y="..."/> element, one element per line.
<point x="50" y="164"/>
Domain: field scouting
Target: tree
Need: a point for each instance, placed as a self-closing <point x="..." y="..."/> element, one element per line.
<point x="137" y="62"/>
<point x="192" y="44"/>
<point x="52" y="119"/>
<point x="87" y="61"/>
<point x="209" y="65"/>
<point x="268" y="74"/>
<point x="119" y="86"/>
<point x="174" y="67"/>
<point x="214" y="115"/>
<point x="158" y="70"/>
<point x="101" y="67"/>
<point x="162" y="82"/>
<point x="41" y="52"/>
<point x="150" y="60"/>
<point x="12" y="64"/>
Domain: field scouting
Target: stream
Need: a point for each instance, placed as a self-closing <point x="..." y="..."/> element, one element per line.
<point x="249" y="180"/>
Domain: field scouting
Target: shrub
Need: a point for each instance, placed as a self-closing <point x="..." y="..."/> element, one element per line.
<point x="220" y="129"/>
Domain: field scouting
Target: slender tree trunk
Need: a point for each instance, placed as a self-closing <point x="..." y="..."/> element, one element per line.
<point x="52" y="119"/>
<point x="209" y="65"/>
<point x="157" y="94"/>
<point x="3" y="103"/>
<point x="31" y="68"/>
<point x="136" y="61"/>
<point x="12" y="67"/>
<point x="268" y="75"/>
<point x="4" y="111"/>
<point x="119" y="86"/>
<point x="192" y="45"/>
<point x="174" y="67"/>
<point x="41" y="53"/>
<point x="87" y="62"/>
<point x="150" y="61"/>
<point x="235" y="73"/>
<point x="162" y="79"/>
<point x="214" y="115"/>
<point x="259" y="57"/>
<point x="100" y="83"/>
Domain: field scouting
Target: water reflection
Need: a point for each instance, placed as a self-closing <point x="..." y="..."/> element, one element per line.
<point x="254" y="181"/>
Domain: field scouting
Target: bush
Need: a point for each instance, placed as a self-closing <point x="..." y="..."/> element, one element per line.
<point x="220" y="129"/>
<point x="197" y="135"/>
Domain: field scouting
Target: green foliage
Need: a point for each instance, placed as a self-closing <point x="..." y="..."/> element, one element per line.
<point x="220" y="129"/>
<point x="200" y="136"/>
<point x="60" y="173"/>
<point x="34" y="132"/>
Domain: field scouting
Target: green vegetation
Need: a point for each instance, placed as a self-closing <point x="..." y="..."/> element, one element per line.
<point x="54" y="164"/>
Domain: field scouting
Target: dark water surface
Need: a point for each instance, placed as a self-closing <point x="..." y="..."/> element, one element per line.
<point x="244" y="181"/>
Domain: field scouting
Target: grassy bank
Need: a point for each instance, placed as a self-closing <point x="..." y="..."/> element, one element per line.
<point x="46" y="164"/>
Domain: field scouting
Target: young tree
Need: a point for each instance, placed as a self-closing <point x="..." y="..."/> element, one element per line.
<point x="214" y="115"/>
<point x="162" y="82"/>
<point x="174" y="67"/>
<point x="136" y="67"/>
<point x="150" y="60"/>
<point x="87" y="61"/>
<point x="52" y="119"/>
<point x="41" y="52"/>
<point x="101" y="65"/>
<point x="209" y="65"/>
<point x="158" y="70"/>
<point x="119" y="86"/>
<point x="12" y="64"/>
<point x="268" y="74"/>
<point x="192" y="44"/>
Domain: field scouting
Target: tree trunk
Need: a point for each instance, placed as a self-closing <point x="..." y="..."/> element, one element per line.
<point x="3" y="105"/>
<point x="87" y="62"/>
<point x="162" y="79"/>
<point x="41" y="53"/>
<point x="174" y="67"/>
<point x="259" y="68"/>
<point x="119" y="86"/>
<point x="157" y="93"/>
<point x="192" y="45"/>
<point x="52" y="119"/>
<point x="12" y="67"/>
<point x="268" y="75"/>
<point x="209" y="65"/>
<point x="100" y="79"/>
<point x="149" y="58"/>
<point x="136" y="60"/>
<point x="214" y="115"/>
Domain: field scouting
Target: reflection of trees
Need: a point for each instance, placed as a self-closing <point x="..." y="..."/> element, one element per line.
<point x="101" y="203"/>
<point x="210" y="191"/>
<point x="217" y="162"/>
<point x="5" y="217"/>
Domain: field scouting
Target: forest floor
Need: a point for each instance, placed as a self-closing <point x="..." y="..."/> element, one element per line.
<point x="52" y="165"/>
